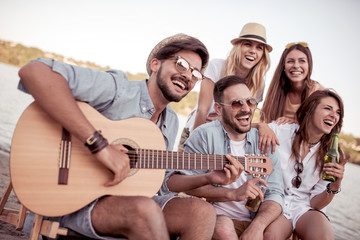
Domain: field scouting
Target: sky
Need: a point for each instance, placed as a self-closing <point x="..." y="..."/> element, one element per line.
<point x="121" y="34"/>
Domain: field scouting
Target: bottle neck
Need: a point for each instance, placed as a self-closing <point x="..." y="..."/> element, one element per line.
<point x="334" y="142"/>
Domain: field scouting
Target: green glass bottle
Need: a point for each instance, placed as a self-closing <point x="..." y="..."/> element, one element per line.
<point x="332" y="156"/>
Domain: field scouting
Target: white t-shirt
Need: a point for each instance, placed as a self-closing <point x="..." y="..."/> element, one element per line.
<point x="232" y="209"/>
<point x="297" y="200"/>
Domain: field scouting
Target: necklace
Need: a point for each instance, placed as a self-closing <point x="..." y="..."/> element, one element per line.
<point x="310" y="145"/>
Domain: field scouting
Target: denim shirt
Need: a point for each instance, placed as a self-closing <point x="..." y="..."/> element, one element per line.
<point x="113" y="95"/>
<point x="212" y="138"/>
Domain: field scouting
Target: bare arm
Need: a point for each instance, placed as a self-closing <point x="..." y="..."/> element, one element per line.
<point x="336" y="169"/>
<point x="268" y="212"/>
<point x="52" y="93"/>
<point x="205" y="100"/>
<point x="229" y="174"/>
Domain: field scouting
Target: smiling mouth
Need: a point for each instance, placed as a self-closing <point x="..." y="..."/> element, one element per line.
<point x="296" y="73"/>
<point x="250" y="58"/>
<point x="180" y="83"/>
<point x="242" y="118"/>
<point x="329" y="123"/>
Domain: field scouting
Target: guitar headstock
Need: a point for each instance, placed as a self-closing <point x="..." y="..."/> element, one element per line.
<point x="258" y="165"/>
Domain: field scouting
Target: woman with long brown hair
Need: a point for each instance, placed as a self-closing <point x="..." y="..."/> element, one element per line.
<point x="302" y="151"/>
<point x="290" y="85"/>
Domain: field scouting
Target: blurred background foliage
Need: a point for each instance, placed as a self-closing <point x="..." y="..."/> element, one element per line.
<point x="18" y="55"/>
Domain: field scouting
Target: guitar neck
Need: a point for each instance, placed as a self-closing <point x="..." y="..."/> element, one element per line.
<point x="159" y="159"/>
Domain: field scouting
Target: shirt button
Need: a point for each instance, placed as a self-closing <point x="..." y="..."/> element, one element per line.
<point x="287" y="188"/>
<point x="144" y="108"/>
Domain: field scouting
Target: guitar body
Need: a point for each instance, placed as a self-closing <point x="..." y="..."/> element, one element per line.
<point x="34" y="162"/>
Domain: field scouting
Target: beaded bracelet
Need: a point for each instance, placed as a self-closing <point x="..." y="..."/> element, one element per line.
<point x="328" y="190"/>
<point x="96" y="142"/>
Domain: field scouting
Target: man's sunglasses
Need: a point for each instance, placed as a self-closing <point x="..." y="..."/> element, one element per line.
<point x="299" y="168"/>
<point x="237" y="104"/>
<point x="183" y="66"/>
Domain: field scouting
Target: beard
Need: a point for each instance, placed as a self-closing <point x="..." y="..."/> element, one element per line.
<point x="165" y="88"/>
<point x="227" y="120"/>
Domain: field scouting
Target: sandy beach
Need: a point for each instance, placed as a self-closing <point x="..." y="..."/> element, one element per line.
<point x="7" y="231"/>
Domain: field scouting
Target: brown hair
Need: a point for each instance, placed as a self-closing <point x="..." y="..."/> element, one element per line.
<point x="304" y="115"/>
<point x="191" y="44"/>
<point x="274" y="103"/>
<point x="224" y="83"/>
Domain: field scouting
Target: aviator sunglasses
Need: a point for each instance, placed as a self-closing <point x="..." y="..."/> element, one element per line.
<point x="304" y="44"/>
<point x="237" y="104"/>
<point x="183" y="66"/>
<point x="299" y="168"/>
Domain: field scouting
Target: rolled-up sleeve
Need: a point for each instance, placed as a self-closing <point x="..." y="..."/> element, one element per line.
<point x="98" y="88"/>
<point x="275" y="189"/>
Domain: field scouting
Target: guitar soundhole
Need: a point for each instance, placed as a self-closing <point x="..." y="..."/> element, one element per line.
<point x="131" y="146"/>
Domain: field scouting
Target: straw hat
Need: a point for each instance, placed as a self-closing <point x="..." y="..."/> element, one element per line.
<point x="255" y="32"/>
<point x="161" y="44"/>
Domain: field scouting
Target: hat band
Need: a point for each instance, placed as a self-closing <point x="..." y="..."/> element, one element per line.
<point x="254" y="36"/>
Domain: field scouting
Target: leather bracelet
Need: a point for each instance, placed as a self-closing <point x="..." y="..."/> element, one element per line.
<point x="328" y="190"/>
<point x="96" y="142"/>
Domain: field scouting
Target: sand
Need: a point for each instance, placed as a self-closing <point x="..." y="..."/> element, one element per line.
<point x="7" y="231"/>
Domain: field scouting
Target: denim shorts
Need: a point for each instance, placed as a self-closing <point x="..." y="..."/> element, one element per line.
<point x="79" y="221"/>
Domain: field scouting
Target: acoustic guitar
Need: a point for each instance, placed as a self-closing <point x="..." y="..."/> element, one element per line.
<point x="54" y="174"/>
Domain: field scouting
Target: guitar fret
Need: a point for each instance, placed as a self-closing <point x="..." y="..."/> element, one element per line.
<point x="166" y="159"/>
<point x="183" y="161"/>
<point x="188" y="160"/>
<point x="177" y="161"/>
<point x="195" y="163"/>
<point x="208" y="165"/>
<point x="152" y="160"/>
<point x="201" y="161"/>
<point x="162" y="159"/>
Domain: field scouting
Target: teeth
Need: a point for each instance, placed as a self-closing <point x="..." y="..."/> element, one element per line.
<point x="330" y="123"/>
<point x="296" y="73"/>
<point x="179" y="83"/>
<point x="250" y="58"/>
<point x="244" y="117"/>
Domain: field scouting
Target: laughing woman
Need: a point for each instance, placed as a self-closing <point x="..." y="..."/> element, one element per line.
<point x="249" y="59"/>
<point x="302" y="150"/>
<point x="290" y="85"/>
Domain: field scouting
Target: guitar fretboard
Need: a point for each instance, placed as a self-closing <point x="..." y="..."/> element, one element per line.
<point x="159" y="159"/>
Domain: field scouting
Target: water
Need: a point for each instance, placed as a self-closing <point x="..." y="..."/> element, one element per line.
<point x="344" y="210"/>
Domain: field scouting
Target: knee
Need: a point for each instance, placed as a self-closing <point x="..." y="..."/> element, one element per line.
<point x="224" y="228"/>
<point x="202" y="209"/>
<point x="269" y="235"/>
<point x="146" y="207"/>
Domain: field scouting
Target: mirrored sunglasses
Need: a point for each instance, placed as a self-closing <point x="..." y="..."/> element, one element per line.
<point x="183" y="66"/>
<point x="299" y="168"/>
<point x="237" y="104"/>
<point x="304" y="44"/>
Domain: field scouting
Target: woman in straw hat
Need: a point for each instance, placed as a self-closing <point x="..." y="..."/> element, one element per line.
<point x="249" y="59"/>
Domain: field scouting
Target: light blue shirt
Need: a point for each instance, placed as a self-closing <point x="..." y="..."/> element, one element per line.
<point x="212" y="138"/>
<point x="113" y="95"/>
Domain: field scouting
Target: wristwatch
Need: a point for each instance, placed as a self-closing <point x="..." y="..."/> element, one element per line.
<point x="328" y="190"/>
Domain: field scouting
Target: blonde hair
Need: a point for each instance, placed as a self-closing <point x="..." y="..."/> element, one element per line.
<point x="255" y="78"/>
